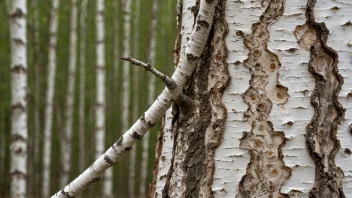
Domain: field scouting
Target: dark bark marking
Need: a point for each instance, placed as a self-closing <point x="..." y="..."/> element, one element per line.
<point x="136" y="136"/>
<point x="94" y="180"/>
<point x="17" y="137"/>
<point x="18" y="13"/>
<point x="18" y="41"/>
<point x="108" y="160"/>
<point x="18" y="174"/>
<point x="321" y="140"/>
<point x="18" y="106"/>
<point x="19" y="69"/>
<point x="266" y="171"/>
<point x="128" y="148"/>
<point x="66" y="194"/>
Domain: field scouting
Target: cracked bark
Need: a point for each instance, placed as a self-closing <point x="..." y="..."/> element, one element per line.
<point x="266" y="171"/>
<point x="199" y="129"/>
<point x="321" y="140"/>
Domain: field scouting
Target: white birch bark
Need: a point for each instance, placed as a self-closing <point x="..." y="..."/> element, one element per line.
<point x="151" y="93"/>
<point x="82" y="90"/>
<point x="295" y="76"/>
<point x="49" y="98"/>
<point x="66" y="138"/>
<point x="19" y="130"/>
<point x="135" y="104"/>
<point x="185" y="68"/>
<point x="100" y="93"/>
<point x="166" y="154"/>
<point x="337" y="15"/>
<point x="228" y="154"/>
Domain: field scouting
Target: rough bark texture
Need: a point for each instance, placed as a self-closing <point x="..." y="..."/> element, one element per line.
<point x="66" y="137"/>
<point x="337" y="15"/>
<point x="53" y="25"/>
<point x="19" y="131"/>
<point x="321" y="138"/>
<point x="266" y="171"/>
<point x="199" y="128"/>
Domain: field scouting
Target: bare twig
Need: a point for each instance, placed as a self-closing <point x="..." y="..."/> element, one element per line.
<point x="171" y="84"/>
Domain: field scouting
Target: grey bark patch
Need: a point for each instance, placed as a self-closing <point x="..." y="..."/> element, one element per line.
<point x="266" y="171"/>
<point x="321" y="140"/>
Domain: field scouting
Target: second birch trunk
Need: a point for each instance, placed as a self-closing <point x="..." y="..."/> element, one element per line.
<point x="53" y="24"/>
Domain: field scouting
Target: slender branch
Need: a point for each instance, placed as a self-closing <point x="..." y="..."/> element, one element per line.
<point x="171" y="84"/>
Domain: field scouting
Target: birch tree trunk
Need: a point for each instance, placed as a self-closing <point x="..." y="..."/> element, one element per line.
<point x="151" y="94"/>
<point x="277" y="128"/>
<point x="66" y="137"/>
<point x="82" y="88"/>
<point x="100" y="94"/>
<point x="49" y="98"/>
<point x="135" y="104"/>
<point x="19" y="131"/>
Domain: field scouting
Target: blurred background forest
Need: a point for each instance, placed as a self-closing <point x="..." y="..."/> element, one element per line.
<point x="141" y="18"/>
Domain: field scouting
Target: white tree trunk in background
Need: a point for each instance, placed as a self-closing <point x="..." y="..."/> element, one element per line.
<point x="135" y="106"/>
<point x="151" y="95"/>
<point x="100" y="94"/>
<point x="19" y="131"/>
<point x="185" y="68"/>
<point x="66" y="137"/>
<point x="49" y="98"/>
<point x="82" y="87"/>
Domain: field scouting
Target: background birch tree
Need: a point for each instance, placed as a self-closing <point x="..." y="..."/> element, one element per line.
<point x="53" y="25"/>
<point x="19" y="129"/>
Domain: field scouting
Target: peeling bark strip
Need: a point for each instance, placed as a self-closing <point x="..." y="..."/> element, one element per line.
<point x="266" y="171"/>
<point x="200" y="128"/>
<point x="321" y="140"/>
